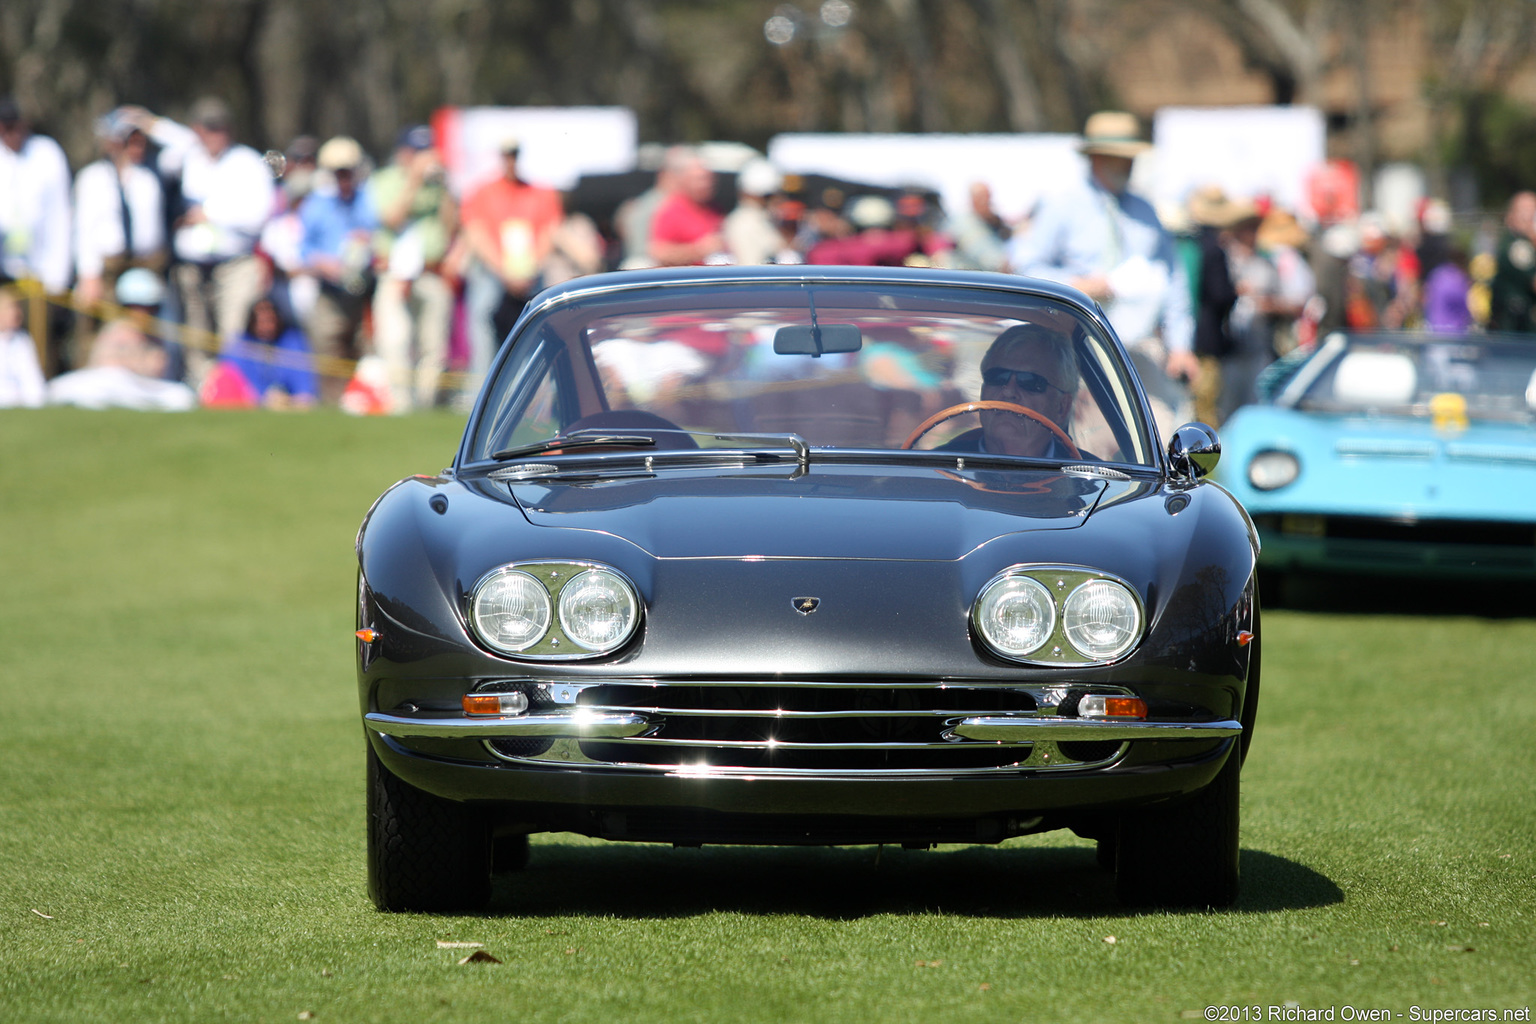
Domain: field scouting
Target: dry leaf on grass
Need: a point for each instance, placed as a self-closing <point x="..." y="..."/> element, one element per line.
<point x="1111" y="939"/>
<point x="479" y="956"/>
<point x="928" y="963"/>
<point x="39" y="913"/>
<point x="441" y="944"/>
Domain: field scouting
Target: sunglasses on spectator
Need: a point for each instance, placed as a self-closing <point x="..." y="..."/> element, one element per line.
<point x="1027" y="380"/>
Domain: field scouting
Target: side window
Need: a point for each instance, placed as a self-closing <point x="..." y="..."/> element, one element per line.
<point x="538" y="400"/>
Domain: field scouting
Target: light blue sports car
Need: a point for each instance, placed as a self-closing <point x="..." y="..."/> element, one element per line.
<point x="1393" y="454"/>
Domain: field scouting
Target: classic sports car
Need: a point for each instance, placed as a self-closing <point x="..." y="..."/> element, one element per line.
<point x="1393" y="453"/>
<point x="808" y="556"/>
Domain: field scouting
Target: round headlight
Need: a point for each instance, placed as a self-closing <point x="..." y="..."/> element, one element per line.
<point x="1271" y="470"/>
<point x="510" y="611"/>
<point x="1015" y="615"/>
<point x="598" y="610"/>
<point x="1101" y="619"/>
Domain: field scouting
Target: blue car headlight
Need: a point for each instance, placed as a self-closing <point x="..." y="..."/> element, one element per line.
<point x="1273" y="469"/>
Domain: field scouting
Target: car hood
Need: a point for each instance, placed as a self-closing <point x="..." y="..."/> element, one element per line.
<point x="919" y="512"/>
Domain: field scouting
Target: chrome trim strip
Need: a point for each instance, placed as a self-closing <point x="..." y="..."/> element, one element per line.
<point x="1003" y="729"/>
<point x="582" y="724"/>
<point x="774" y="713"/>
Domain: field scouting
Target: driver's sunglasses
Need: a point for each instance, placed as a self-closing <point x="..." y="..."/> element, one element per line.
<point x="1027" y="380"/>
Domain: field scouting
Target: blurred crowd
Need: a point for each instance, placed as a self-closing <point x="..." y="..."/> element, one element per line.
<point x="184" y="268"/>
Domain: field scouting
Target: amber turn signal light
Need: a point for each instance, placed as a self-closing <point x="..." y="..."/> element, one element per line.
<point x="367" y="636"/>
<point x="1099" y="705"/>
<point x="495" y="703"/>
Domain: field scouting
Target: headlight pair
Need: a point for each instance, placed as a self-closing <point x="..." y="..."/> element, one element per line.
<point x="554" y="609"/>
<point x="1057" y="615"/>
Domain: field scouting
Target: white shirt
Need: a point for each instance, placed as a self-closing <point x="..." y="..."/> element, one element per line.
<point x="99" y="214"/>
<point x="21" y="379"/>
<point x="34" y="212"/>
<point x="234" y="190"/>
<point x="106" y="387"/>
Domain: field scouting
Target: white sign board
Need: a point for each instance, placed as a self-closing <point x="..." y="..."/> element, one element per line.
<point x="1247" y="151"/>
<point x="1020" y="169"/>
<point x="557" y="144"/>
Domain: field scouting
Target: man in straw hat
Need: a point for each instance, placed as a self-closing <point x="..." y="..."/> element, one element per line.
<point x="1109" y="244"/>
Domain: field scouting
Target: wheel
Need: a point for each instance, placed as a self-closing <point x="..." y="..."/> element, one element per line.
<point x="1104" y="853"/>
<point x="1185" y="854"/>
<point x="508" y="854"/>
<point x="424" y="853"/>
<point x="965" y="407"/>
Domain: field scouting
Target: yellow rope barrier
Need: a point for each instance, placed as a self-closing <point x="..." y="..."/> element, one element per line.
<point x="38" y="300"/>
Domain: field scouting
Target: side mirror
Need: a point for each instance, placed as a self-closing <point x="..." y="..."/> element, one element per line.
<point x="1194" y="451"/>
<point x="817" y="340"/>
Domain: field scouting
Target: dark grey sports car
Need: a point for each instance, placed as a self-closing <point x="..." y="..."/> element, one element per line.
<point x="808" y="556"/>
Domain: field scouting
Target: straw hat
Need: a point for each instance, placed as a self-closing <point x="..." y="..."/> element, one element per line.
<point x="1113" y="133"/>
<point x="1280" y="227"/>
<point x="1211" y="207"/>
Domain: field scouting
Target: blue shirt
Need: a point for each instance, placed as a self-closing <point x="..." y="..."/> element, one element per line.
<point x="330" y="221"/>
<point x="286" y="364"/>
<point x="1090" y="230"/>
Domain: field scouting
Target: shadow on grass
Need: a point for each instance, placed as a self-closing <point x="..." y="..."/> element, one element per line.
<point x="633" y="881"/>
<point x="1369" y="595"/>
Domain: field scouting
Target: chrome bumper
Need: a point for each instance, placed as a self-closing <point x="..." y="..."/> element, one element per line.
<point x="570" y="724"/>
<point x="584" y="724"/>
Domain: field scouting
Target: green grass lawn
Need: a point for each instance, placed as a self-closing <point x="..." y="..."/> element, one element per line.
<point x="181" y="801"/>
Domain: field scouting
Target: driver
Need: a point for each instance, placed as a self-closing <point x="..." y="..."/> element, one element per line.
<point x="1030" y="366"/>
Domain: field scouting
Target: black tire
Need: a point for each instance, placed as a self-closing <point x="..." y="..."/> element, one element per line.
<point x="508" y="854"/>
<point x="424" y="853"/>
<point x="1104" y="853"/>
<point x="1184" y="854"/>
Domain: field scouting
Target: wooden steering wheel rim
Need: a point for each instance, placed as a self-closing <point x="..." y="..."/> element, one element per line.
<point x="986" y="404"/>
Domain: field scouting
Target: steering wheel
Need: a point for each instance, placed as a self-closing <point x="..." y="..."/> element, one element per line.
<point x="965" y="407"/>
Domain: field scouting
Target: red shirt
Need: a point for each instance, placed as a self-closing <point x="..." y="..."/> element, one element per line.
<point x="519" y="218"/>
<point x="680" y="220"/>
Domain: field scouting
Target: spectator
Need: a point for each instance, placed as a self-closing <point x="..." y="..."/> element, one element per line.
<point x="293" y="288"/>
<point x="1445" y="294"/>
<point x="268" y="365"/>
<point x="1512" y="304"/>
<point x="750" y="235"/>
<point x="1213" y="295"/>
<point x="119" y="213"/>
<point x="1108" y="243"/>
<point x="508" y="226"/>
<point x="1252" y="323"/>
<point x="34" y="210"/>
<point x="632" y="220"/>
<point x="687" y="228"/>
<point x="21" y="376"/>
<point x="127" y="363"/>
<point x="980" y="235"/>
<point x="338" y="252"/>
<point x="413" y="301"/>
<point x="1284" y="241"/>
<point x="226" y="198"/>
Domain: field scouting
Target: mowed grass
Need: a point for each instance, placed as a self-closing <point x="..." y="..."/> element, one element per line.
<point x="181" y="803"/>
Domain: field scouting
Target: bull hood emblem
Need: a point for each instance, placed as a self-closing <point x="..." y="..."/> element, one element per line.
<point x="806" y="605"/>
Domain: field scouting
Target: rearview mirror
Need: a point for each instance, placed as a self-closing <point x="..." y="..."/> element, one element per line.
<point x="817" y="340"/>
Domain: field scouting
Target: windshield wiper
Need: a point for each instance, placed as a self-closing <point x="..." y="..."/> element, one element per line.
<point x="571" y="442"/>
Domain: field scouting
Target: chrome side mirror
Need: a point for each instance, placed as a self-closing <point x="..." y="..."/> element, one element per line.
<point x="1194" y="451"/>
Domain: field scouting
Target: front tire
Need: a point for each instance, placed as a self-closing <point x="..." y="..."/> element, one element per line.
<point x="424" y="853"/>
<point x="1186" y="854"/>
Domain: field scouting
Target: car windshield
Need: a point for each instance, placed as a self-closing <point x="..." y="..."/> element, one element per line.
<point x="1481" y="377"/>
<point x="803" y="363"/>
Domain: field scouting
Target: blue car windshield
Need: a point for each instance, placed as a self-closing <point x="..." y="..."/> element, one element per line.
<point x="882" y="366"/>
<point x="1478" y="377"/>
